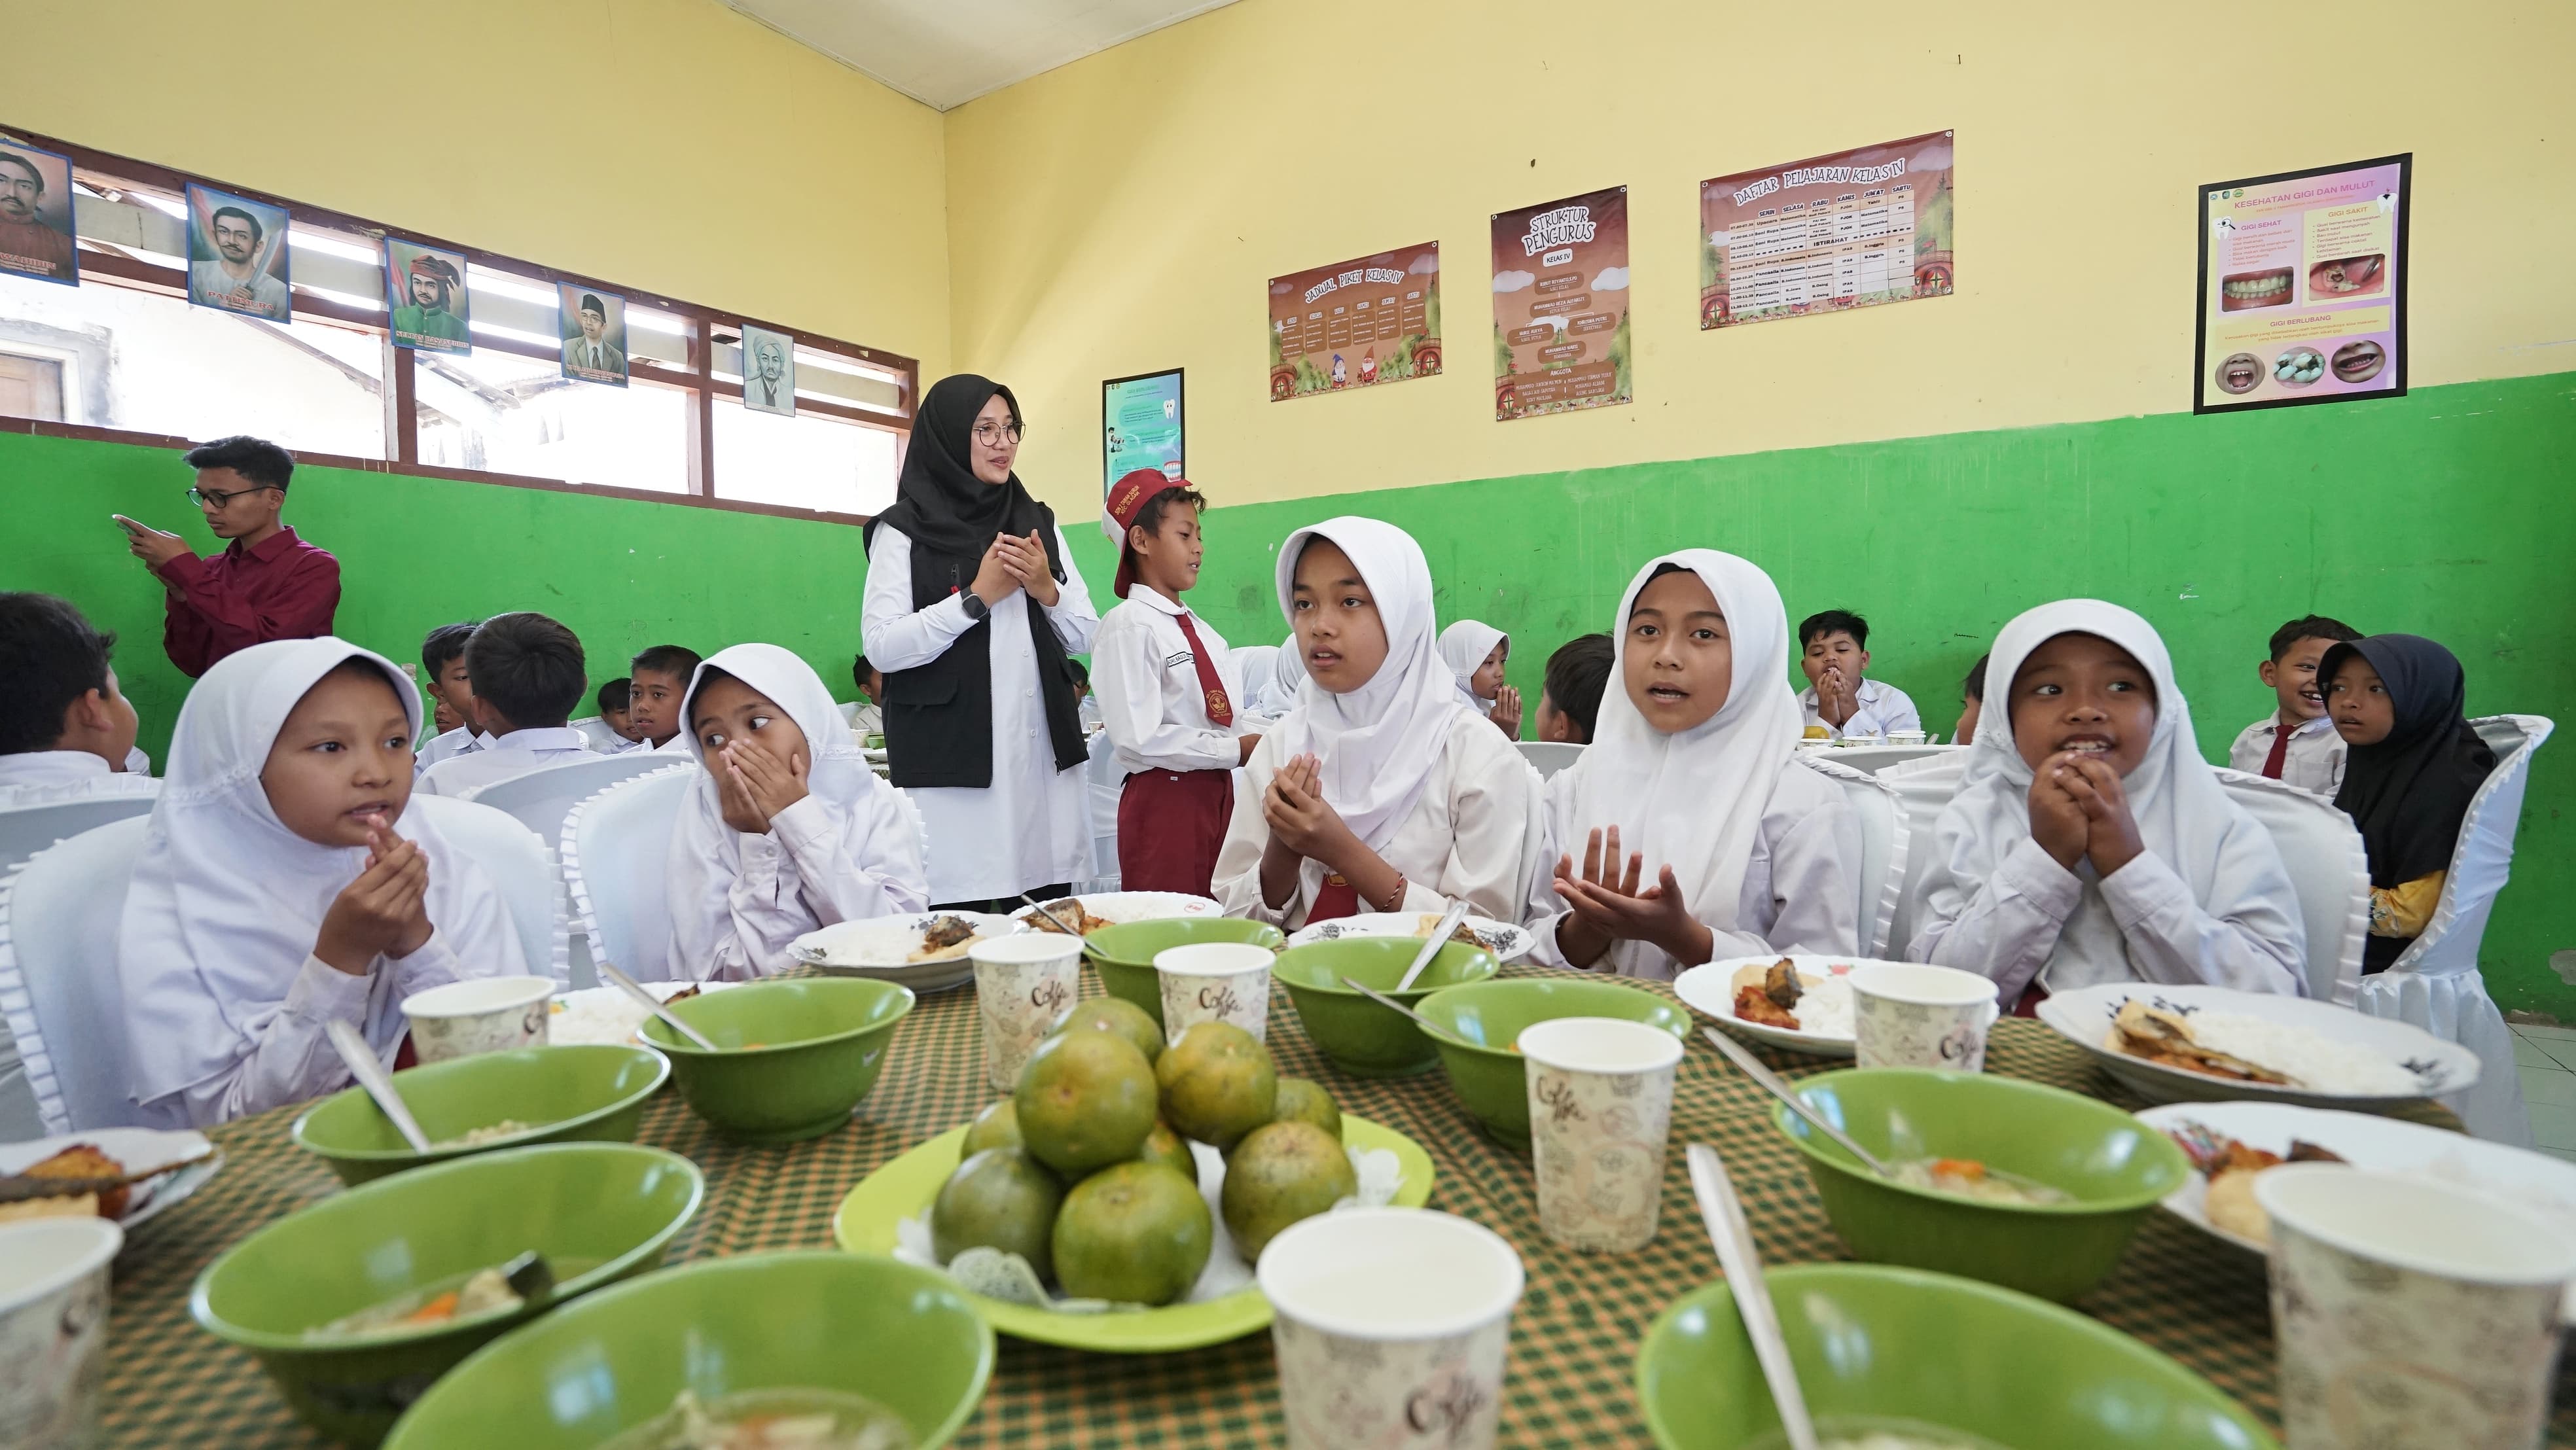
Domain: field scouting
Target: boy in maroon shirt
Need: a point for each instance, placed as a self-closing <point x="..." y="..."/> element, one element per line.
<point x="267" y="583"/>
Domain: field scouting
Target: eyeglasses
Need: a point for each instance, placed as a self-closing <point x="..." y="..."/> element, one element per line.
<point x="993" y="435"/>
<point x="209" y="498"/>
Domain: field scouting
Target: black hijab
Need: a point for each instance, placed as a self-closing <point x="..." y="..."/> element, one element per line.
<point x="939" y="502"/>
<point x="2410" y="792"/>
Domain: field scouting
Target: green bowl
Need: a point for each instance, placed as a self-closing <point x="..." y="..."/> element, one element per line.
<point x="1898" y="1343"/>
<point x="1480" y="1021"/>
<point x="1124" y="954"/>
<point x="794" y="1055"/>
<point x="902" y="1336"/>
<point x="1362" y="1037"/>
<point x="572" y="1094"/>
<point x="599" y="1212"/>
<point x="2116" y="1167"/>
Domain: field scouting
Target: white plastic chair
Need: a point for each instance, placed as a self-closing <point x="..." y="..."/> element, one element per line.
<point x="1548" y="757"/>
<point x="596" y="732"/>
<point x="1886" y="835"/>
<point x="850" y="711"/>
<point x="541" y="798"/>
<point x="59" y="988"/>
<point x="522" y="868"/>
<point x="1871" y="759"/>
<point x="1104" y="782"/>
<point x="2329" y="870"/>
<point x="25" y="830"/>
<point x="2435" y="983"/>
<point x="1923" y="790"/>
<point x="615" y="848"/>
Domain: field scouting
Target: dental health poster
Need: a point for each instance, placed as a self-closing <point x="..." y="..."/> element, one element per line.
<point x="2303" y="287"/>
<point x="1561" y="306"/>
<point x="1140" y="427"/>
<point x="1854" y="229"/>
<point x="1355" y="324"/>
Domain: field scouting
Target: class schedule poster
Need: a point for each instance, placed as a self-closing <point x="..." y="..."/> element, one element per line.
<point x="1355" y="324"/>
<point x="2303" y="287"/>
<point x="1561" y="306"/>
<point x="1140" y="426"/>
<point x="1854" y="229"/>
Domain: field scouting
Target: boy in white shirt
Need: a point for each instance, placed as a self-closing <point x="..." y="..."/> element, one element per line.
<point x="527" y="672"/>
<point x="614" y="714"/>
<point x="442" y="669"/>
<point x="1839" y="700"/>
<point x="657" y="680"/>
<point x="1167" y="690"/>
<point x="66" y="733"/>
<point x="2297" y="744"/>
<point x="870" y="719"/>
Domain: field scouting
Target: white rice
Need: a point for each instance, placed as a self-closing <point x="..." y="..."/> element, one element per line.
<point x="1825" y="1008"/>
<point x="594" y="1015"/>
<point x="2309" y="1059"/>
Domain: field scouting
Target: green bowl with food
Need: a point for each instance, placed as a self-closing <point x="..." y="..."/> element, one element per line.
<point x="1480" y="1021"/>
<point x="866" y="1340"/>
<point x="2021" y="1185"/>
<point x="355" y="1303"/>
<point x="1365" y="1038"/>
<point x="793" y="1055"/>
<point x="592" y="1094"/>
<point x="1956" y="1363"/>
<point x="1124" y="954"/>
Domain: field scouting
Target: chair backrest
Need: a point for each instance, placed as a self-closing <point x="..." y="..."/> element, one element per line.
<point x="2483" y="859"/>
<point x="542" y="798"/>
<point x="1885" y="833"/>
<point x="25" y="830"/>
<point x="522" y="868"/>
<point x="1871" y="759"/>
<point x="596" y="733"/>
<point x="58" y="982"/>
<point x="615" y="848"/>
<point x="1104" y="782"/>
<point x="1923" y="788"/>
<point x="2329" y="870"/>
<point x="1548" y="757"/>
<point x="850" y="710"/>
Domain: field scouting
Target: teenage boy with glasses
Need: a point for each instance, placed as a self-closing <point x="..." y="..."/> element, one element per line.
<point x="266" y="584"/>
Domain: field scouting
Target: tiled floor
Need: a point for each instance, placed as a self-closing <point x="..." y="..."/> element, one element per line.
<point x="2546" y="1057"/>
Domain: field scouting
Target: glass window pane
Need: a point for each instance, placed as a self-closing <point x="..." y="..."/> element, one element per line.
<point x="511" y="414"/>
<point x="810" y="461"/>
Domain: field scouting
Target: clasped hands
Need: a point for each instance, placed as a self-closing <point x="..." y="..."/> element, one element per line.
<point x="1012" y="562"/>
<point x="2078" y="811"/>
<point x="384" y="912"/>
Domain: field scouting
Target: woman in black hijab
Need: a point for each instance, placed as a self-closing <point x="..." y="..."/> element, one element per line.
<point x="972" y="613"/>
<point x="2412" y="763"/>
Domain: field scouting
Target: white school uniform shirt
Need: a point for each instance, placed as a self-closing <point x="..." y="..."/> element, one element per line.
<point x="1877" y="709"/>
<point x="2314" y="761"/>
<point x="868" y="720"/>
<point x="620" y="745"/>
<point x="48" y="777"/>
<point x="1146" y="678"/>
<point x="1032" y="825"/>
<point x="462" y="740"/>
<point x="514" y="754"/>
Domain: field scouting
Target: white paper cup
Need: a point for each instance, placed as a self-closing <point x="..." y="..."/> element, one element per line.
<point x="486" y="1014"/>
<point x="1904" y="1015"/>
<point x="1215" y="981"/>
<point x="2407" y="1311"/>
<point x="53" y="1329"/>
<point x="1023" y="986"/>
<point x="1600" y="1105"/>
<point x="1392" y="1328"/>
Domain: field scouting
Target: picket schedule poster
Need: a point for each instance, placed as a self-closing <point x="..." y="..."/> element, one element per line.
<point x="1854" y="229"/>
<point x="2303" y="287"/>
<point x="1561" y="306"/>
<point x="1355" y="324"/>
<point x="1140" y="426"/>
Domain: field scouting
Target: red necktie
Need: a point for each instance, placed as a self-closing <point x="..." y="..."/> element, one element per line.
<point x="1220" y="710"/>
<point x="2280" y="753"/>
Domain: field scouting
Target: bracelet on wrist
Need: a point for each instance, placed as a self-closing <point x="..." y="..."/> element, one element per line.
<point x="1395" y="898"/>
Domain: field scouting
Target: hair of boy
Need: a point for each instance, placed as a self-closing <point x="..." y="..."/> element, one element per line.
<point x="1833" y="621"/>
<point x="1080" y="672"/>
<point x="262" y="462"/>
<point x="1974" y="686"/>
<point x="676" y="660"/>
<point x="2311" y="626"/>
<point x="51" y="657"/>
<point x="613" y="696"/>
<point x="860" y="669"/>
<point x="528" y="667"/>
<point x="1577" y="674"/>
<point x="1150" y="517"/>
<point x="442" y="645"/>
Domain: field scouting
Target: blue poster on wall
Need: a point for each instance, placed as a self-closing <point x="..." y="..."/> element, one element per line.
<point x="1140" y="426"/>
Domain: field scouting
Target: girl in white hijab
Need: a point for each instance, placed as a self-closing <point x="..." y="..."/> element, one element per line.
<point x="283" y="885"/>
<point x="1377" y="792"/>
<point x="2089" y="842"/>
<point x="786" y="829"/>
<point x="1476" y="653"/>
<point x="1741" y="847"/>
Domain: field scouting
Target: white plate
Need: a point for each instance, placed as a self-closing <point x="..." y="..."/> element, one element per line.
<point x="877" y="948"/>
<point x="136" y="1148"/>
<point x="2535" y="1181"/>
<point x="873" y="754"/>
<point x="613" y="1003"/>
<point x="1709" y="989"/>
<point x="1122" y="907"/>
<point x="1512" y="942"/>
<point x="2084" y="1018"/>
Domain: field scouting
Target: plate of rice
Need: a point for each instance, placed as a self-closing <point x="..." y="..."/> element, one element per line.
<point x="923" y="950"/>
<point x="1507" y="942"/>
<point x="2214" y="1044"/>
<point x="607" y="1016"/>
<point x="1821" y="1007"/>
<point x="1117" y="908"/>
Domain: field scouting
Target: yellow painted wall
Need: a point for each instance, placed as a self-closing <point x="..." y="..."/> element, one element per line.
<point x="1120" y="214"/>
<point x="668" y="145"/>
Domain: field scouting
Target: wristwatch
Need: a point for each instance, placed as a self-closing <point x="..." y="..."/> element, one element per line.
<point x="974" y="605"/>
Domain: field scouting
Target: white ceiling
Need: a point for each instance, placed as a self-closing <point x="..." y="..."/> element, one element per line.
<point x="945" y="53"/>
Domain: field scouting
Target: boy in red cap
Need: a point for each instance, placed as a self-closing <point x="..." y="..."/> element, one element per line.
<point x="1167" y="690"/>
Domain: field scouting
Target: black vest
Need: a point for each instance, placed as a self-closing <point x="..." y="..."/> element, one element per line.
<point x="939" y="716"/>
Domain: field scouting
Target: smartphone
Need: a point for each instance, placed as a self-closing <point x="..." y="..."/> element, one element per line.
<point x="129" y="525"/>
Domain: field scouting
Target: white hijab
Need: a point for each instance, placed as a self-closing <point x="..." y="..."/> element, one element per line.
<point x="1463" y="647"/>
<point x="1692" y="800"/>
<point x="1253" y="664"/>
<point x="226" y="901"/>
<point x="1287" y="681"/>
<point x="1380" y="742"/>
<point x="2184" y="815"/>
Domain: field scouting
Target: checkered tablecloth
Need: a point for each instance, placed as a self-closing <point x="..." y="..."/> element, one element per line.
<point x="1574" y="1337"/>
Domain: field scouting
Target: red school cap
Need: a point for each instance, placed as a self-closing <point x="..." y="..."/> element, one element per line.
<point x="1127" y="499"/>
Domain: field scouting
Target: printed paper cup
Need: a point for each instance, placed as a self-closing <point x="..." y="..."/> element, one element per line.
<point x="1392" y="1328"/>
<point x="1916" y="1016"/>
<point x="53" y="1328"/>
<point x="1601" y="1105"/>
<point x="1023" y="986"/>
<point x="487" y="1014"/>
<point x="1215" y="981"/>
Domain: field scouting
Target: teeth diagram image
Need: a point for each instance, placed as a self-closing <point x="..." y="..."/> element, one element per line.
<point x="2348" y="276"/>
<point x="2240" y="372"/>
<point x="2254" y="289"/>
<point x="2359" y="362"/>
<point x="2299" y="366"/>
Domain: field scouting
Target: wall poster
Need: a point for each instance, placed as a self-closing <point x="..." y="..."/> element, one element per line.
<point x="36" y="214"/>
<point x="237" y="255"/>
<point x="1353" y="324"/>
<point x="428" y="305"/>
<point x="1561" y="306"/>
<point x="2302" y="287"/>
<point x="1854" y="229"/>
<point x="1140" y="427"/>
<point x="768" y="371"/>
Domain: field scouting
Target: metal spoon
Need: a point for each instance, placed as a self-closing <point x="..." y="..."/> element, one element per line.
<point x="1736" y="1253"/>
<point x="1772" y="1084"/>
<point x="1449" y="920"/>
<point x="379" y="1084"/>
<point x="530" y="1276"/>
<point x="1393" y="1005"/>
<point x="635" y="989"/>
<point x="1051" y="916"/>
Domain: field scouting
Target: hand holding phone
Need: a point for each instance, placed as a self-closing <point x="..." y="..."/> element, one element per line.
<point x="129" y="525"/>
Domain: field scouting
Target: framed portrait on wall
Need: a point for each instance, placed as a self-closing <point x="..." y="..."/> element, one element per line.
<point x="237" y="255"/>
<point x="768" y="371"/>
<point x="592" y="323"/>
<point x="430" y="307"/>
<point x="36" y="215"/>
